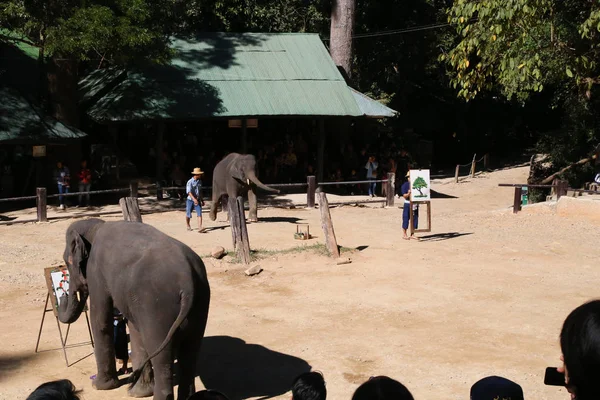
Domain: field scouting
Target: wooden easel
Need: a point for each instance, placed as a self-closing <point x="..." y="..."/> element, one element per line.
<point x="54" y="306"/>
<point x="412" y="225"/>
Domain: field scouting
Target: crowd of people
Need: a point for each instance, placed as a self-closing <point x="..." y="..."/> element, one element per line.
<point x="579" y="372"/>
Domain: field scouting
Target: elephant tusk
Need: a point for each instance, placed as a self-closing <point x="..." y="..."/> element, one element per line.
<point x="248" y="181"/>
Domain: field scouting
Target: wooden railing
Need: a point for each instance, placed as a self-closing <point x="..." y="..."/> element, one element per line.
<point x="561" y="188"/>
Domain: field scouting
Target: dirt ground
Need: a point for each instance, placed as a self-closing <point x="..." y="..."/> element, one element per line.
<point x="484" y="294"/>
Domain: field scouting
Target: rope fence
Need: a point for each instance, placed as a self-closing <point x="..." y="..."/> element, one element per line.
<point x="310" y="186"/>
<point x="473" y="164"/>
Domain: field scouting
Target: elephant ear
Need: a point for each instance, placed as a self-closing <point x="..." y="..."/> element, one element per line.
<point x="77" y="252"/>
<point x="237" y="171"/>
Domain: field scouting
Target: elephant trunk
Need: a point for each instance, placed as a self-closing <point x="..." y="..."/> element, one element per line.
<point x="70" y="307"/>
<point x="252" y="177"/>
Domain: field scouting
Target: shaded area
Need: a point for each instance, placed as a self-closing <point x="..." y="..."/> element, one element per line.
<point x="4" y="218"/>
<point x="242" y="370"/>
<point x="361" y="248"/>
<point x="438" y="195"/>
<point x="443" y="236"/>
<point x="11" y="363"/>
<point x="291" y="220"/>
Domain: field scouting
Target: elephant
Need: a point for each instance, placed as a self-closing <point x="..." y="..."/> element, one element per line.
<point x="158" y="283"/>
<point x="233" y="176"/>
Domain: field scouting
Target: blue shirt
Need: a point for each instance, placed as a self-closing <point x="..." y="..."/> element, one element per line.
<point x="62" y="176"/>
<point x="371" y="168"/>
<point x="403" y="190"/>
<point x="193" y="186"/>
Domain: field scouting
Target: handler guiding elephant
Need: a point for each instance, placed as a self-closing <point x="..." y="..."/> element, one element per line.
<point x="233" y="176"/>
<point x="158" y="283"/>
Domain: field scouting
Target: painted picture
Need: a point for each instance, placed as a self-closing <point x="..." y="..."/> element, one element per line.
<point x="57" y="280"/>
<point x="420" y="185"/>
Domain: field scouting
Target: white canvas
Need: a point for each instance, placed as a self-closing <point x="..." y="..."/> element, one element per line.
<point x="420" y="185"/>
<point x="60" y="283"/>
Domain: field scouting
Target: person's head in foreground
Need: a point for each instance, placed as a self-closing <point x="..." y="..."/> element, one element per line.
<point x="55" y="390"/>
<point x="208" y="395"/>
<point x="580" y="345"/>
<point x="309" y="386"/>
<point x="382" y="388"/>
<point x="496" y="388"/>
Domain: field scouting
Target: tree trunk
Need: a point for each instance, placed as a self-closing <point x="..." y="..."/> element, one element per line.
<point x="62" y="90"/>
<point x="342" y="28"/>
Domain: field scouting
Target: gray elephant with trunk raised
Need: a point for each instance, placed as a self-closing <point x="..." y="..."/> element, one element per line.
<point x="160" y="286"/>
<point x="235" y="175"/>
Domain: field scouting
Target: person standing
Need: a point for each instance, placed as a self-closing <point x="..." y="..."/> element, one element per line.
<point x="405" y="191"/>
<point x="85" y="183"/>
<point x="62" y="176"/>
<point x="371" y="168"/>
<point x="194" y="200"/>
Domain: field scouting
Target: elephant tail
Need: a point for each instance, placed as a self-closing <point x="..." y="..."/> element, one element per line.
<point x="186" y="306"/>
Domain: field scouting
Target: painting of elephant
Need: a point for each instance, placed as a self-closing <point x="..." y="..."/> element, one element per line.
<point x="235" y="175"/>
<point x="160" y="286"/>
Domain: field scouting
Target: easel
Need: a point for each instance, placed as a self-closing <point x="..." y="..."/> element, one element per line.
<point x="54" y="307"/>
<point x="412" y="225"/>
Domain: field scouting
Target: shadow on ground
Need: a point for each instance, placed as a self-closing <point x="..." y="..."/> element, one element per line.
<point x="9" y="364"/>
<point x="443" y="236"/>
<point x="291" y="220"/>
<point x="438" y="195"/>
<point x="242" y="370"/>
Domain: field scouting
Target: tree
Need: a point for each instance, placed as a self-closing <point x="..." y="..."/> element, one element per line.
<point x="420" y="184"/>
<point x="106" y="32"/>
<point x="342" y="29"/>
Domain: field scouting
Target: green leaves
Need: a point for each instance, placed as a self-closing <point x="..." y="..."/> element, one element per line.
<point x="569" y="72"/>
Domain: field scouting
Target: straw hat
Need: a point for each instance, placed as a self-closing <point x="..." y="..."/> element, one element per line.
<point x="407" y="174"/>
<point x="197" y="171"/>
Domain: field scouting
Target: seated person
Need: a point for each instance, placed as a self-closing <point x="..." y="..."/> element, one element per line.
<point x="382" y="388"/>
<point x="56" y="390"/>
<point x="309" y="386"/>
<point x="580" y="346"/>
<point x="495" y="387"/>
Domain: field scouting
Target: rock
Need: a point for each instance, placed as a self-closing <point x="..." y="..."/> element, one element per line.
<point x="217" y="252"/>
<point x="253" y="270"/>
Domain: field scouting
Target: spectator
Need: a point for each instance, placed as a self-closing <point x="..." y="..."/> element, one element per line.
<point x="63" y="178"/>
<point x="194" y="200"/>
<point x="120" y="341"/>
<point x="371" y="167"/>
<point x="208" y="395"/>
<point x="495" y="387"/>
<point x="85" y="183"/>
<point x="56" y="390"/>
<point x="405" y="191"/>
<point x="382" y="388"/>
<point x="580" y="345"/>
<point x="309" y="386"/>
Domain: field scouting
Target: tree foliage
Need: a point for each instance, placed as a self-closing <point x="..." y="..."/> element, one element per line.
<point x="522" y="46"/>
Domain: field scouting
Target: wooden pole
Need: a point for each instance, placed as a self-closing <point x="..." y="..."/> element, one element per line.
<point x="243" y="248"/>
<point x="130" y="209"/>
<point x="310" y="193"/>
<point x="244" y="136"/>
<point x="327" y="226"/>
<point x="321" y="151"/>
<point x="159" y="191"/>
<point x="473" y="165"/>
<point x="561" y="189"/>
<point x="486" y="161"/>
<point x="517" y="202"/>
<point x="456" y="173"/>
<point x="391" y="188"/>
<point x="42" y="202"/>
<point x="133" y="189"/>
<point x="232" y="215"/>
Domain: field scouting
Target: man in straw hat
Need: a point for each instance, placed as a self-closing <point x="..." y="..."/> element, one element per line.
<point x="193" y="188"/>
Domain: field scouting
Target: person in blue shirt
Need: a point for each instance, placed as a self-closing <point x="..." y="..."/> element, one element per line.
<point x="371" y="168"/>
<point x="193" y="188"/>
<point x="63" y="178"/>
<point x="405" y="191"/>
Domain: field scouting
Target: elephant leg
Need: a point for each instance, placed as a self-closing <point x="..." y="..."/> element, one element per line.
<point x="214" y="204"/>
<point x="187" y="363"/>
<point x="253" y="214"/>
<point x="225" y="206"/>
<point x="101" y="310"/>
<point x="163" y="374"/>
<point x="144" y="387"/>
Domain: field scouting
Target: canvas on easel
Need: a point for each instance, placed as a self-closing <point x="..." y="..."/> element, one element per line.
<point x="420" y="194"/>
<point x="57" y="283"/>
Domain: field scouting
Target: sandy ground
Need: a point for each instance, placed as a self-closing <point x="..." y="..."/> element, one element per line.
<point x="484" y="294"/>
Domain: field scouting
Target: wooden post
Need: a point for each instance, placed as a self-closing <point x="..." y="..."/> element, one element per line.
<point x="310" y="193"/>
<point x="159" y="191"/>
<point x="133" y="189"/>
<point x="42" y="201"/>
<point x="327" y="226"/>
<point x="232" y="216"/>
<point x="321" y="151"/>
<point x="473" y="165"/>
<point x="130" y="209"/>
<point x="486" y="161"/>
<point x="391" y="188"/>
<point x="456" y="173"/>
<point x="517" y="202"/>
<point x="244" y="136"/>
<point x="243" y="248"/>
<point x="561" y="189"/>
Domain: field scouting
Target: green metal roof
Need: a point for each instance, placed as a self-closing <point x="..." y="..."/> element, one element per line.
<point x="372" y="108"/>
<point x="233" y="75"/>
<point x="22" y="122"/>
